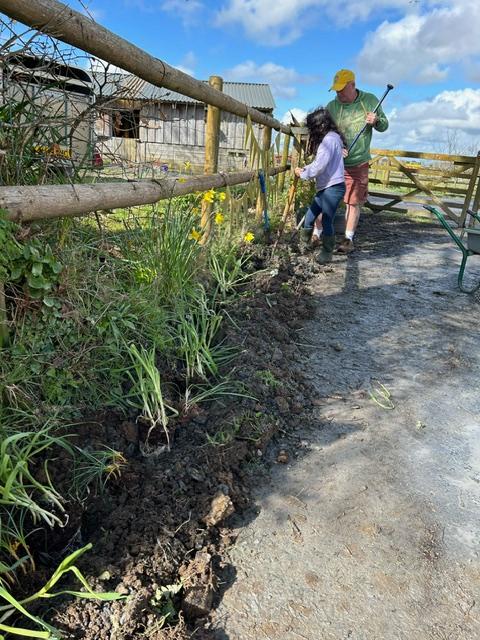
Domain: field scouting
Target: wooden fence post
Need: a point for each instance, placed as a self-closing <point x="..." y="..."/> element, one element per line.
<point x="266" y="144"/>
<point x="473" y="191"/>
<point x="281" y="176"/>
<point x="212" y="138"/>
<point x="476" y="192"/>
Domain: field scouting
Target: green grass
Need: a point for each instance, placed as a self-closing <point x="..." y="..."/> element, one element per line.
<point x="132" y="322"/>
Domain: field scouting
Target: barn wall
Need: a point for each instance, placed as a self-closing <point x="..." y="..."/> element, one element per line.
<point x="173" y="134"/>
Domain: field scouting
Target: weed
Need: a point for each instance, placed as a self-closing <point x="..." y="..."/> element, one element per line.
<point x="94" y="469"/>
<point x="197" y="394"/>
<point x="196" y="325"/>
<point x="381" y="395"/>
<point x="226" y="434"/>
<point x="38" y="269"/>
<point x="15" y="606"/>
<point x="267" y="377"/>
<point x="163" y="603"/>
<point x="20" y="488"/>
<point x="147" y="387"/>
<point x="227" y="269"/>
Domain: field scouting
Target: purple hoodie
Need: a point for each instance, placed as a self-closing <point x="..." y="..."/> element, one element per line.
<point x="327" y="168"/>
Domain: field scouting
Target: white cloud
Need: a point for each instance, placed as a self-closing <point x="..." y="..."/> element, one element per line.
<point x="282" y="80"/>
<point x="421" y="46"/>
<point x="275" y="23"/>
<point x="473" y="71"/>
<point x="298" y="114"/>
<point x="187" y="64"/>
<point x="187" y="70"/>
<point x="434" y="124"/>
<point x="284" y="21"/>
<point x="186" y="10"/>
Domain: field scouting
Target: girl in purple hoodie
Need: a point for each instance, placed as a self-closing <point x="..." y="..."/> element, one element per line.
<point x="327" y="143"/>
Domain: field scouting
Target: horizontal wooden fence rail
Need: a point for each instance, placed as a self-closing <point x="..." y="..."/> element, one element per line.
<point x="61" y="22"/>
<point x="41" y="202"/>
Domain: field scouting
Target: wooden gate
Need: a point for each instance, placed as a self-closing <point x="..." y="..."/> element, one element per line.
<point x="450" y="182"/>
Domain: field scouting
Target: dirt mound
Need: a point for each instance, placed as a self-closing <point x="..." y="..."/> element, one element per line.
<point x="160" y="529"/>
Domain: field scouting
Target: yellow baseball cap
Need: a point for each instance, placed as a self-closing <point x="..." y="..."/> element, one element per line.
<point x="341" y="79"/>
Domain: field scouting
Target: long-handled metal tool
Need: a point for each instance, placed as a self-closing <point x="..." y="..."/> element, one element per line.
<point x="357" y="137"/>
<point x="263" y="191"/>
<point x="352" y="144"/>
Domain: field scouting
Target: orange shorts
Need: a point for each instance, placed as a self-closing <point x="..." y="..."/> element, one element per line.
<point x="356" y="184"/>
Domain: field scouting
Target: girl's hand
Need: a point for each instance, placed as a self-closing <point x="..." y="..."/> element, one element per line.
<point x="344" y="153"/>
<point x="298" y="171"/>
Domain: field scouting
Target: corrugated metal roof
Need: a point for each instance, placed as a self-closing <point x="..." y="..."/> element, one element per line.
<point x="128" y="86"/>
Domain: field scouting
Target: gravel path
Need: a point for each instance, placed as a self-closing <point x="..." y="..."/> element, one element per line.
<point x="372" y="529"/>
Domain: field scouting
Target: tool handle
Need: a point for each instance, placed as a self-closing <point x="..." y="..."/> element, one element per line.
<point x="355" y="140"/>
<point x="261" y="178"/>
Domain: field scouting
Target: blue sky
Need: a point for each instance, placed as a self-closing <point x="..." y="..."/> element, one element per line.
<point x="429" y="49"/>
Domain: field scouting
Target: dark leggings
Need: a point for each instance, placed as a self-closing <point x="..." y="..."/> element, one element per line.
<point x="325" y="202"/>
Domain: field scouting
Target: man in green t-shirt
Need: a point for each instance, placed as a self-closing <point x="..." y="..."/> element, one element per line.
<point x="351" y="109"/>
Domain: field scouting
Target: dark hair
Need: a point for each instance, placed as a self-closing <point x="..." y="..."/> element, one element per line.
<point x="319" y="123"/>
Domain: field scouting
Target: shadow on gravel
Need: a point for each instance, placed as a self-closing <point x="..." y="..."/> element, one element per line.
<point x="363" y="332"/>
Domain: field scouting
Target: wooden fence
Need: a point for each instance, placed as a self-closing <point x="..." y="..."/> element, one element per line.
<point x="451" y="182"/>
<point x="38" y="202"/>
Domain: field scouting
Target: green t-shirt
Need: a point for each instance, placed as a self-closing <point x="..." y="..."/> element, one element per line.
<point x="350" y="119"/>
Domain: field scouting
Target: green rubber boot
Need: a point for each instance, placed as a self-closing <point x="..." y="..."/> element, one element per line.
<point x="326" y="252"/>
<point x="306" y="234"/>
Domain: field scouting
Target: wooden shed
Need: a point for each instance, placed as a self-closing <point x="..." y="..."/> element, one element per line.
<point x="143" y="124"/>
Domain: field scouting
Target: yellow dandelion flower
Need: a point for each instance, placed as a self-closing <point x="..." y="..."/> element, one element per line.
<point x="181" y="180"/>
<point x="195" y="235"/>
<point x="196" y="211"/>
<point x="209" y="195"/>
<point x="219" y="218"/>
<point x="222" y="196"/>
<point x="249" y="237"/>
<point x="187" y="164"/>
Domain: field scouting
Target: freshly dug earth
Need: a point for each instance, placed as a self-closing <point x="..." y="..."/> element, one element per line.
<point x="171" y="517"/>
<point x="165" y="520"/>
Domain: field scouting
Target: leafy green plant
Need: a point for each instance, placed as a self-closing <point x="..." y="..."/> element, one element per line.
<point x="93" y="469"/>
<point x="15" y="606"/>
<point x="28" y="499"/>
<point x="164" y="605"/>
<point x="20" y="488"/>
<point x="170" y="256"/>
<point x="11" y="248"/>
<point x="196" y="394"/>
<point x="267" y="377"/>
<point x="227" y="269"/>
<point x="38" y="268"/>
<point x="196" y="325"/>
<point x="381" y="395"/>
<point x="226" y="434"/>
<point x="146" y="392"/>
